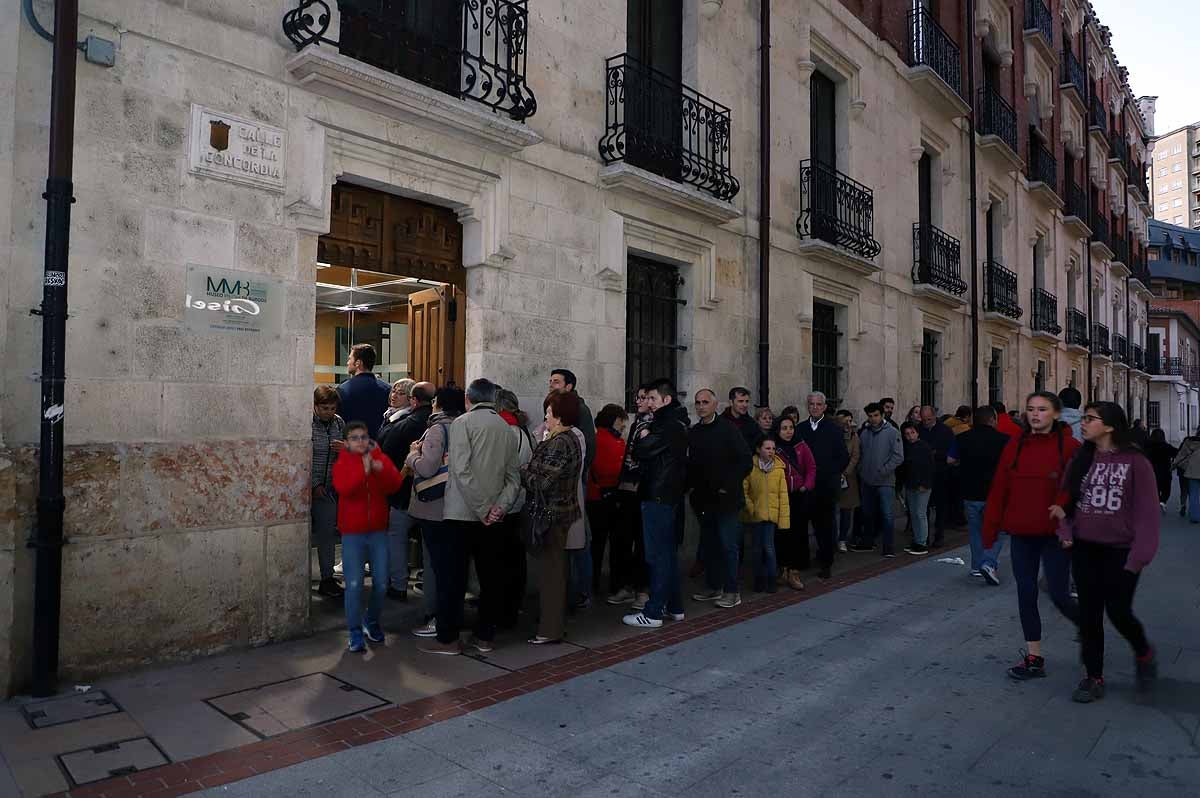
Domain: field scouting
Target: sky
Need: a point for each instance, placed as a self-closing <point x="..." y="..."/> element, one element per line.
<point x="1156" y="41"/>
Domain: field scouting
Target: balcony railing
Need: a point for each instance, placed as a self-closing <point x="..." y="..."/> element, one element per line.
<point x="936" y="259"/>
<point x="1139" y="358"/>
<point x="1072" y="73"/>
<point x="836" y="209"/>
<point x="471" y="49"/>
<point x="1099" y="226"/>
<point x="1120" y="348"/>
<point x="1037" y="18"/>
<point x="929" y="45"/>
<point x="1077" y="327"/>
<point x="656" y="123"/>
<point x="1075" y="200"/>
<point x="1100" y="340"/>
<point x="1096" y="117"/>
<point x="1120" y="248"/>
<point x="1000" y="290"/>
<point x="1042" y="166"/>
<point x="995" y="117"/>
<point x="1118" y="150"/>
<point x="1045" y="312"/>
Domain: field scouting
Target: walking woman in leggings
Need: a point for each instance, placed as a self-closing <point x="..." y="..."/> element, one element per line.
<point x="1025" y="501"/>
<point x="1111" y="527"/>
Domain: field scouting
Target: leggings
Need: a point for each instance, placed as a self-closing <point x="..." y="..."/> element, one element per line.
<point x="1104" y="584"/>
<point x="1028" y="551"/>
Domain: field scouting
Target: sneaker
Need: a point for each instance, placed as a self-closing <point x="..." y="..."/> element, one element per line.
<point x="674" y="616"/>
<point x="862" y="547"/>
<point x="708" y="595"/>
<point x="889" y="555"/>
<point x="1147" y="672"/>
<point x="582" y="605"/>
<point x="916" y="549"/>
<point x="428" y="630"/>
<point x="729" y="600"/>
<point x="1089" y="690"/>
<point x="330" y="589"/>
<point x="794" y="581"/>
<point x="622" y="596"/>
<point x="1030" y="667"/>
<point x="1163" y="507"/>
<point x="640" y="602"/>
<point x="990" y="576"/>
<point x="842" y="546"/>
<point x="639" y="619"/>
<point x="975" y="572"/>
<point x="397" y="595"/>
<point x="437" y="647"/>
<point x="374" y="632"/>
<point x="938" y="542"/>
<point x="357" y="644"/>
<point x="337" y="569"/>
<point x="538" y="640"/>
<point x="482" y="646"/>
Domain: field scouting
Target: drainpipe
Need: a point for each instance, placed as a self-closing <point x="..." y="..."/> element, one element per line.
<point x="1128" y="348"/>
<point x="972" y="202"/>
<point x="764" y="203"/>
<point x="47" y="538"/>
<point x="1087" y="203"/>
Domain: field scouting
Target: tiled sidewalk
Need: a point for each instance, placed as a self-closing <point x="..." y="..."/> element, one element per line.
<point x="227" y="718"/>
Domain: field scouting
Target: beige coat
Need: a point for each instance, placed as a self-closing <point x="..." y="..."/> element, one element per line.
<point x="484" y="470"/>
<point x="848" y="499"/>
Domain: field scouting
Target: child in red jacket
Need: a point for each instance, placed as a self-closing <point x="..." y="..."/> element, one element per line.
<point x="363" y="477"/>
<point x="1026" y="501"/>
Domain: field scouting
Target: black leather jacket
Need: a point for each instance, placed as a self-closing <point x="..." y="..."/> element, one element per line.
<point x="662" y="456"/>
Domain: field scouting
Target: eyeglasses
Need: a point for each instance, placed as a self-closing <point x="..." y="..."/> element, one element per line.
<point x="358" y="437"/>
<point x="1090" y="417"/>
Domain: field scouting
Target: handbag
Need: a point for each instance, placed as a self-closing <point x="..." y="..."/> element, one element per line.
<point x="535" y="520"/>
<point x="430" y="489"/>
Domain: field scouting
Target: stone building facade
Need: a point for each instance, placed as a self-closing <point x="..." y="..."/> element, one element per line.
<point x="601" y="161"/>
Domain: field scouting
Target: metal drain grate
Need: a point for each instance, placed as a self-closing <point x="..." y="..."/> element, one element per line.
<point x="69" y="709"/>
<point x="279" y="707"/>
<point x="112" y="759"/>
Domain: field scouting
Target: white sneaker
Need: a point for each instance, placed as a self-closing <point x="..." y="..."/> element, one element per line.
<point x="428" y="630"/>
<point x="842" y="546"/>
<point x="675" y="616"/>
<point x="708" y="595"/>
<point x="337" y="569"/>
<point x="640" y="620"/>
<point x="989" y="575"/>
<point x="622" y="596"/>
<point x="729" y="601"/>
<point x="641" y="601"/>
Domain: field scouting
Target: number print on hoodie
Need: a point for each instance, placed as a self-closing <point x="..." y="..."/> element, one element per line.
<point x="1106" y="487"/>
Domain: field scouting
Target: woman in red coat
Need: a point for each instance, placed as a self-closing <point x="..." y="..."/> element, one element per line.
<point x="363" y="478"/>
<point x="602" y="509"/>
<point x="1026" y="500"/>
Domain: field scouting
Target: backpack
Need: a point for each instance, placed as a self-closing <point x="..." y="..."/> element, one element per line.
<point x="430" y="489"/>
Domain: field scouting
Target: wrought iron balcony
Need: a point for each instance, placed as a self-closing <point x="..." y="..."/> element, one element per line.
<point x="1139" y="358"/>
<point x="1172" y="367"/>
<point x="1075" y="201"/>
<point x="1037" y="18"/>
<point x="1045" y="312"/>
<point x="1042" y="166"/>
<point x="1100" y="340"/>
<point x="1072" y="74"/>
<point x="936" y="260"/>
<point x="1077" y="328"/>
<point x="1120" y="348"/>
<point x="1120" y="248"/>
<point x="995" y="117"/>
<point x="1118" y="150"/>
<point x="1000" y="293"/>
<point x="1096" y="116"/>
<point x="656" y="123"/>
<point x="1099" y="225"/>
<point x="471" y="49"/>
<point x="929" y="45"/>
<point x="836" y="209"/>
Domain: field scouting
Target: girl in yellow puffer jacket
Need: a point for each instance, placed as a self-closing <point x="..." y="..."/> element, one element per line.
<point x="766" y="509"/>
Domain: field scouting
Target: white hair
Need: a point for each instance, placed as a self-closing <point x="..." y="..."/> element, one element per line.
<point x="817" y="394"/>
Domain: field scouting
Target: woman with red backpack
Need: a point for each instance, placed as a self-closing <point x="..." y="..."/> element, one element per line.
<point x="1026" y="500"/>
<point x="800" y="468"/>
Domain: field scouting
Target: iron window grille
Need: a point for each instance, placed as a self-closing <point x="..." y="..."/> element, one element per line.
<point x="472" y="49"/>
<point x="929" y="368"/>
<point x="659" y="124"/>
<point x="1042" y="166"/>
<point x="1000" y="293"/>
<point x="651" y="324"/>
<point x="929" y="45"/>
<point x="1045" y="312"/>
<point x="1039" y="377"/>
<point x="936" y="259"/>
<point x="826" y="342"/>
<point x="1077" y="327"/>
<point x="995" y="117"/>
<point x="996" y="377"/>
<point x="1153" y="415"/>
<point x="1100" y="340"/>
<point x="836" y="209"/>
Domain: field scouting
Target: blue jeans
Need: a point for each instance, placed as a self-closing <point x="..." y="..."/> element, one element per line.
<point x="877" y="514"/>
<point x="979" y="555"/>
<point x="658" y="529"/>
<point x="762" y="539"/>
<point x="1028" y="551"/>
<point x="720" y="535"/>
<point x="580" y="563"/>
<point x="356" y="551"/>
<point x="918" y="514"/>
<point x="1193" y="505"/>
<point x="399" y="524"/>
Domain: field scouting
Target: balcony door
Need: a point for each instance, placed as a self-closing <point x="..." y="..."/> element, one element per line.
<point x="653" y="101"/>
<point x="925" y="213"/>
<point x="823" y="132"/>
<point x="417" y="39"/>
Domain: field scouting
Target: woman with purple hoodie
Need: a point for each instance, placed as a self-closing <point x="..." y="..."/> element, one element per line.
<point x="1111" y="526"/>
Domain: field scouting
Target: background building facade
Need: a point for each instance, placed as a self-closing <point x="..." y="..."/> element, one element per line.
<point x="508" y="187"/>
<point x="1174" y="176"/>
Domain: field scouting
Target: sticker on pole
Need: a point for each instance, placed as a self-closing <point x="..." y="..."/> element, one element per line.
<point x="56" y="279"/>
<point x="54" y="413"/>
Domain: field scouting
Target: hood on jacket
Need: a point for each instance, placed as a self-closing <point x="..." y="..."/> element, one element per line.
<point x="674" y="411"/>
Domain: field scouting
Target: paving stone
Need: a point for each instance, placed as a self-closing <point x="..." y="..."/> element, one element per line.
<point x="112" y="759"/>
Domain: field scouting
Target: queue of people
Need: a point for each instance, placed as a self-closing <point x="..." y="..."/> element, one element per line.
<point x="465" y="473"/>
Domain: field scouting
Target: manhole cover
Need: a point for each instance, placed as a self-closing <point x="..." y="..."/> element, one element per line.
<point x="112" y="759"/>
<point x="69" y="709"/>
<point x="297" y="703"/>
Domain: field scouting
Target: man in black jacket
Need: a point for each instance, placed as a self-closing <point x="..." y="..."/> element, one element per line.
<point x="976" y="453"/>
<point x="718" y="461"/>
<point x="661" y="451"/>
<point x="396" y="441"/>
<point x="940" y="438"/>
<point x="825" y="440"/>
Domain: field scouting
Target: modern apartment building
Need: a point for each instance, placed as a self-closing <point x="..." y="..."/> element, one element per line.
<point x="1174" y="176"/>
<point x="496" y="187"/>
